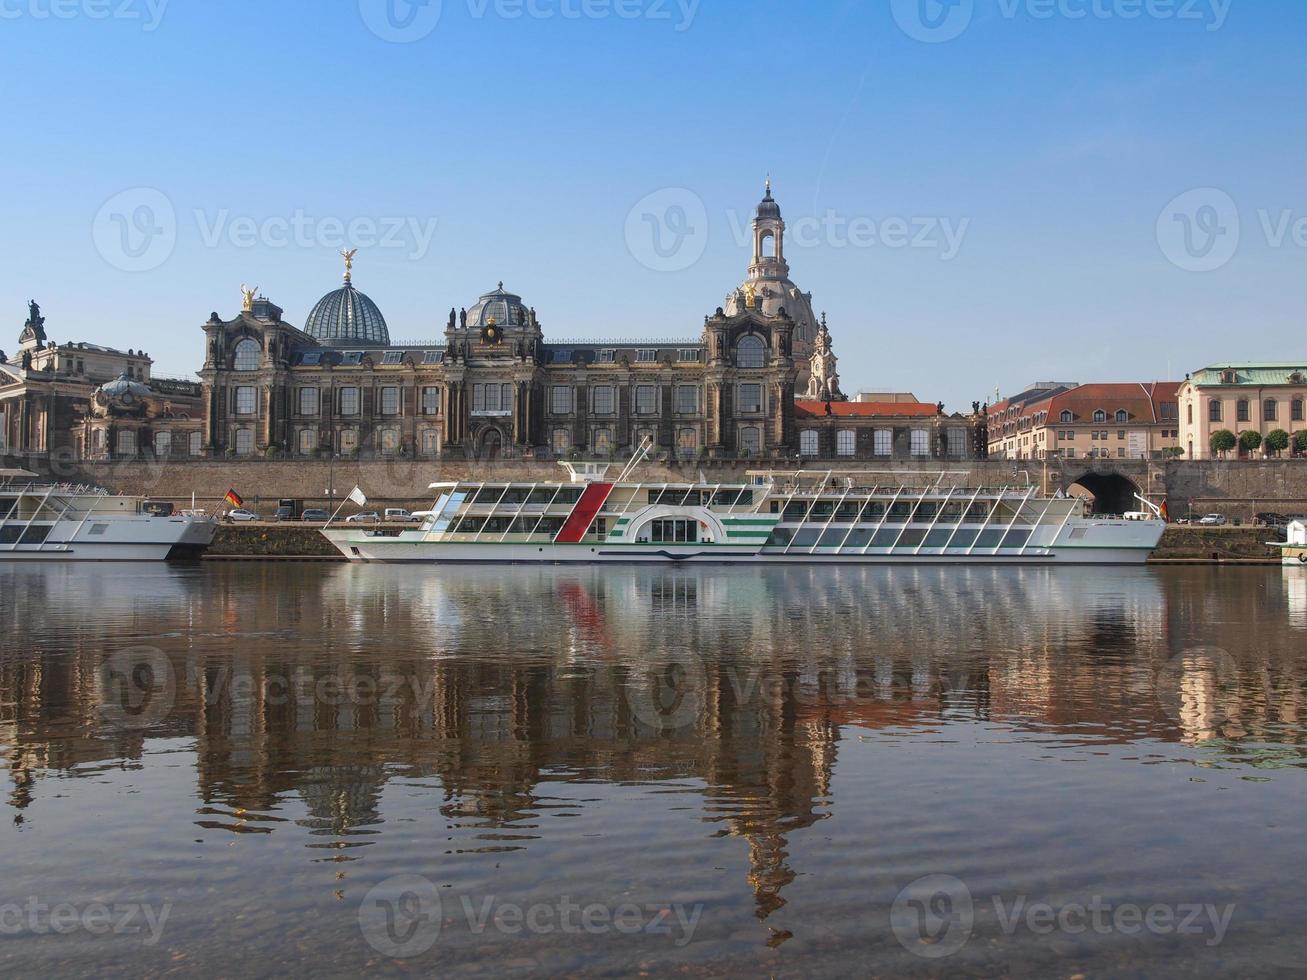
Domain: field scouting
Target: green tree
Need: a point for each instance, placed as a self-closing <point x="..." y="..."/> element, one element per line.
<point x="1300" y="441"/>
<point x="1223" y="440"/>
<point x="1250" y="441"/>
<point x="1277" y="441"/>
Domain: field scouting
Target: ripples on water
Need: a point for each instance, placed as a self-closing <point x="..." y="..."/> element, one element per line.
<point x="786" y="748"/>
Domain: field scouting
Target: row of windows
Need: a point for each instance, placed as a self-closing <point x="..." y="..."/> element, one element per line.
<point x="602" y="442"/>
<point x="1270" y="410"/>
<point x="126" y="443"/>
<point x="846" y="442"/>
<point x="245" y="400"/>
<point x="603" y="399"/>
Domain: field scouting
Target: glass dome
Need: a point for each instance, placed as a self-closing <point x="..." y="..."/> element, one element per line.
<point x="347" y="316"/>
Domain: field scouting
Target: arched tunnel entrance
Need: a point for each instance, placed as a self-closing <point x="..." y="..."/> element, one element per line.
<point x="1111" y="492"/>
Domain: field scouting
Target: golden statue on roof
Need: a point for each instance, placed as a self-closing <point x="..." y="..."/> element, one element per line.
<point x="247" y="296"/>
<point x="348" y="256"/>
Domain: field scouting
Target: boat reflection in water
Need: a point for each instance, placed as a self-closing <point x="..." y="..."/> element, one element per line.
<point x="341" y="706"/>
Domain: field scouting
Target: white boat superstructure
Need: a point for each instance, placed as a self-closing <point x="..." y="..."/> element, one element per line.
<point x="836" y="517"/>
<point x="65" y="522"/>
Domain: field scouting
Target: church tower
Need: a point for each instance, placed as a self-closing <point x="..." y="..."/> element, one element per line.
<point x="769" y="289"/>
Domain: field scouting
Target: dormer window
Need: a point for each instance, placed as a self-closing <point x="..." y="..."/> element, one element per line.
<point x="1067" y="418"/>
<point x="1229" y="378"/>
<point x="1122" y="416"/>
<point x="646" y="355"/>
<point x="1100" y="416"/>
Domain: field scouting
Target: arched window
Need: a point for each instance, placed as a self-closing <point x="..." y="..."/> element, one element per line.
<point x="1068" y="418"/>
<point x="808" y="442"/>
<point x="248" y="355"/>
<point x="1123" y="416"/>
<point x="768" y="245"/>
<point x="751" y="352"/>
<point x="846" y="442"/>
<point x="1190" y="413"/>
<point x="1297" y="410"/>
<point x="1213" y="411"/>
<point x="1100" y="416"/>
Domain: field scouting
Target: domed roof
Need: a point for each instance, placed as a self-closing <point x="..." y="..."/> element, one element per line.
<point x="768" y="208"/>
<point x="504" y="308"/>
<point x="347" y="316"/>
<point x="123" y="389"/>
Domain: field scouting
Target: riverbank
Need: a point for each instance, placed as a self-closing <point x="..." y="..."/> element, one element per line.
<point x="302" y="542"/>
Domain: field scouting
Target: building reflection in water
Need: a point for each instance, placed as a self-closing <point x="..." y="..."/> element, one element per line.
<point x="483" y="683"/>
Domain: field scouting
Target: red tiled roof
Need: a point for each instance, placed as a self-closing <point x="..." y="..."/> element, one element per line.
<point x="817" y="409"/>
<point x="1142" y="401"/>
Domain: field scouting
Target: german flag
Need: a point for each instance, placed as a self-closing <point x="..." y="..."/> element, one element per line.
<point x="1166" y="512"/>
<point x="234" y="499"/>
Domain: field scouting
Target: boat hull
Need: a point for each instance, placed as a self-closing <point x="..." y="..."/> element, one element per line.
<point x="397" y="551"/>
<point x="132" y="539"/>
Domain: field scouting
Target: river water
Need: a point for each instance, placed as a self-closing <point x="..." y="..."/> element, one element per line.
<point x="251" y="769"/>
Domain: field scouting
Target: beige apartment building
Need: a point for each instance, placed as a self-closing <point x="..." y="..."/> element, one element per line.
<point x="1260" y="397"/>
<point x="1136" y="420"/>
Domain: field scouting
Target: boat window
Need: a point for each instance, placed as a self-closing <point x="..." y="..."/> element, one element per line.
<point x="807" y="537"/>
<point x="833" y="537"/>
<point x="860" y="538"/>
<point x="885" y="537"/>
<point x="847" y="512"/>
<point x="874" y="511"/>
<point x="7" y="507"/>
<point x="98" y="529"/>
<point x="35" y="534"/>
<point x="488" y="495"/>
<point x="912" y="537"/>
<point x="900" y="511"/>
<point x="938" y="538"/>
<point x="1016" y="539"/>
<point x="795" y="511"/>
<point x="951" y="513"/>
<point x="823" y="509"/>
<point x="926" y="511"/>
<point x="964" y="538"/>
<point x="989" y="538"/>
<point x="733" y="496"/>
<point x="669" y="531"/>
<point x="978" y="511"/>
<point x="780" y="537"/>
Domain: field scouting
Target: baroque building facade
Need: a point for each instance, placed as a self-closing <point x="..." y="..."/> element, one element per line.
<point x="494" y="385"/>
<point x="759" y="381"/>
<point x="84" y="401"/>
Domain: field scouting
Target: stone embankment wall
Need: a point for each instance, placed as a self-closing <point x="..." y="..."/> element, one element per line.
<point x="405" y="482"/>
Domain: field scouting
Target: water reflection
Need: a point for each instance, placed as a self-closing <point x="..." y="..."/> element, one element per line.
<point x="735" y="688"/>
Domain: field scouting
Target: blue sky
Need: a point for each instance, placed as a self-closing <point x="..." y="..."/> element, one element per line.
<point x="1053" y="146"/>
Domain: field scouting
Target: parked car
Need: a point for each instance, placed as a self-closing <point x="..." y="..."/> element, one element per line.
<point x="1270" y="519"/>
<point x="398" y="515"/>
<point x="313" y="514"/>
<point x="1213" y="520"/>
<point x="370" y="517"/>
<point x="241" y="514"/>
<point x="284" y="514"/>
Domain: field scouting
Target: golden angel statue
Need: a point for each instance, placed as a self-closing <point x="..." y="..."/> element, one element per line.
<point x="348" y="256"/>
<point x="248" y="295"/>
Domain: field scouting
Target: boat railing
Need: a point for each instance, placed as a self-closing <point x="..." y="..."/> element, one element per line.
<point x="55" y="489"/>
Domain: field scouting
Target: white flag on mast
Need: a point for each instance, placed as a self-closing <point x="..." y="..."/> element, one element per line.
<point x="358" y="496"/>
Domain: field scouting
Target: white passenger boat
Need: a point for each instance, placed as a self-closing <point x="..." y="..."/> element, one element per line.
<point x="62" y="522"/>
<point x="1293" y="552"/>
<point x="835" y="517"/>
